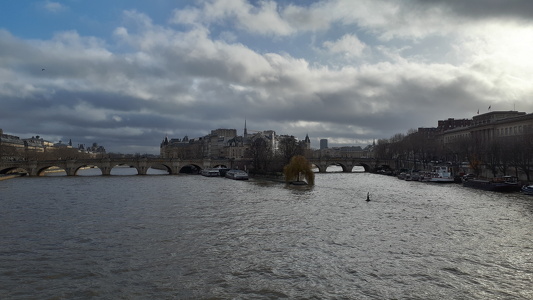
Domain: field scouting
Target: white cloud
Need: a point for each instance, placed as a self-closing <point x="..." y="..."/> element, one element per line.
<point x="412" y="66"/>
<point x="264" y="19"/>
<point x="348" y="45"/>
<point x="54" y="7"/>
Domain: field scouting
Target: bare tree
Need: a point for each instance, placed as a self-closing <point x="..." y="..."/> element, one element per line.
<point x="289" y="147"/>
<point x="521" y="152"/>
<point x="261" y="154"/>
<point x="470" y="150"/>
<point x="493" y="156"/>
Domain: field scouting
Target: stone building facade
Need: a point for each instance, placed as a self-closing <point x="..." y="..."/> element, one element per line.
<point x="487" y="127"/>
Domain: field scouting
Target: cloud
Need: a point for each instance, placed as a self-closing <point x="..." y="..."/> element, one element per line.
<point x="401" y="66"/>
<point x="518" y="10"/>
<point x="263" y="19"/>
<point x="348" y="45"/>
<point x="54" y="7"/>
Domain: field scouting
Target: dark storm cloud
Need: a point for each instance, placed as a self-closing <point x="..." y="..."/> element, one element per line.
<point x="420" y="68"/>
<point x="485" y="9"/>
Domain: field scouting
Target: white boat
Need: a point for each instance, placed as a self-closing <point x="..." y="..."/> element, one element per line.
<point x="527" y="190"/>
<point x="442" y="174"/>
<point x="210" y="172"/>
<point x="237" y="175"/>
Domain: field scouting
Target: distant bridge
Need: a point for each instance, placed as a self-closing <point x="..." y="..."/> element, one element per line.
<point x="172" y="165"/>
<point x="347" y="163"/>
<point x="71" y="167"/>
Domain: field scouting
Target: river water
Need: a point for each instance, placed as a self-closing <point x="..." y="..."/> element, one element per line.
<point x="193" y="237"/>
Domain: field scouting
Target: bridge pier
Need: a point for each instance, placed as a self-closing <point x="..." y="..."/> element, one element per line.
<point x="322" y="168"/>
<point x="32" y="169"/>
<point x="141" y="170"/>
<point x="106" y="171"/>
<point x="105" y="167"/>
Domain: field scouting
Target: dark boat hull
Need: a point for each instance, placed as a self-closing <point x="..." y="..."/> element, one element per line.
<point x="486" y="185"/>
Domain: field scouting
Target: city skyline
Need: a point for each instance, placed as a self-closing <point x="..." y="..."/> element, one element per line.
<point x="126" y="74"/>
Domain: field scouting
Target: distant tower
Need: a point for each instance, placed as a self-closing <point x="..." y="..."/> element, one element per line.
<point x="307" y="142"/>
<point x="70" y="142"/>
<point x="324" y="144"/>
<point x="245" y="131"/>
<point x="165" y="142"/>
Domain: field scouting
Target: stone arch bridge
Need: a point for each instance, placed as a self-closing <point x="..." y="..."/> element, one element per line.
<point x="347" y="163"/>
<point x="172" y="165"/>
<point x="71" y="167"/>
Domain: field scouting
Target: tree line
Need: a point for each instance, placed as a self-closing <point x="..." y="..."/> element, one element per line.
<point x="264" y="160"/>
<point x="500" y="155"/>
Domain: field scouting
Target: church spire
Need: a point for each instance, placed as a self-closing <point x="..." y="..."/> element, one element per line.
<point x="245" y="131"/>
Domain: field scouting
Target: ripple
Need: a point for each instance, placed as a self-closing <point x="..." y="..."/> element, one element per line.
<point x="187" y="237"/>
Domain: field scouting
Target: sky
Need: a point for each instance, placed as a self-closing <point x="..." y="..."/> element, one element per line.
<point x="127" y="73"/>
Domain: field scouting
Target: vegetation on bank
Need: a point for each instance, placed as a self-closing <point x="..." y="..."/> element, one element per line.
<point x="506" y="155"/>
<point x="265" y="161"/>
<point x="299" y="169"/>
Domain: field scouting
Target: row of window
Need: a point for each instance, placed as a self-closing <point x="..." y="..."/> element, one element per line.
<point x="506" y="131"/>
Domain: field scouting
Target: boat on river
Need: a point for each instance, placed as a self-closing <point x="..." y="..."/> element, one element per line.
<point x="210" y="172"/>
<point x="440" y="174"/>
<point x="237" y="174"/>
<point x="527" y="190"/>
<point x="505" y="184"/>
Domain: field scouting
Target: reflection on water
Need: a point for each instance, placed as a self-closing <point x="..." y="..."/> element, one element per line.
<point x="194" y="237"/>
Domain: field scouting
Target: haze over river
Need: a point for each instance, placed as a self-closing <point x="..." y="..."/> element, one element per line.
<point x="194" y="237"/>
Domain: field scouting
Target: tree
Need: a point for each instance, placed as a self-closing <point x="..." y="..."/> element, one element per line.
<point x="299" y="168"/>
<point x="289" y="147"/>
<point x="261" y="154"/>
<point x="470" y="149"/>
<point x="521" y="152"/>
<point x="493" y="157"/>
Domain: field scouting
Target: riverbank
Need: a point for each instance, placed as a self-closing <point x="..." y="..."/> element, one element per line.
<point x="275" y="177"/>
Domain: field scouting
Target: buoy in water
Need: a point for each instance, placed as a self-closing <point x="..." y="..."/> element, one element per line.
<point x="368" y="196"/>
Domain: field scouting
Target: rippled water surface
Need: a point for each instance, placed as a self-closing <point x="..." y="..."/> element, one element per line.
<point x="192" y="237"/>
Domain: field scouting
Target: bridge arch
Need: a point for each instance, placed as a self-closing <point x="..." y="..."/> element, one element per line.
<point x="14" y="170"/>
<point x="123" y="165"/>
<point x="105" y="165"/>
<point x="82" y="166"/>
<point x="190" y="169"/>
<point x="220" y="166"/>
<point x="161" y="166"/>
<point x="367" y="167"/>
<point x="42" y="170"/>
<point x="346" y="163"/>
<point x="320" y="168"/>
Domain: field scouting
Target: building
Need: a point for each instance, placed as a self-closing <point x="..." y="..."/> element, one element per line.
<point x="323" y="143"/>
<point x="307" y="142"/>
<point x="14" y="148"/>
<point x="215" y="143"/>
<point x="224" y="143"/>
<point x="488" y="126"/>
<point x="11" y="147"/>
<point x="8" y="140"/>
<point x="452" y="123"/>
<point x="182" y="148"/>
